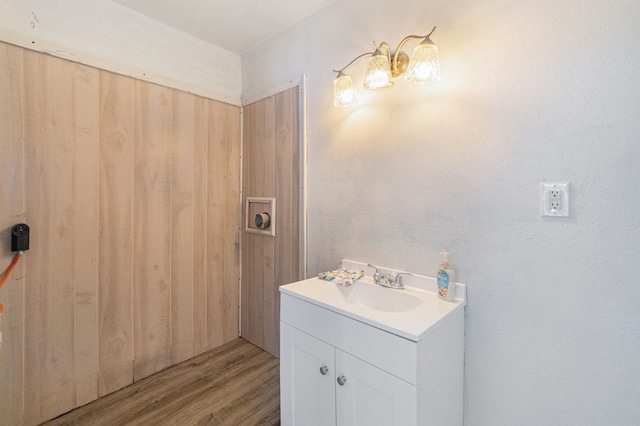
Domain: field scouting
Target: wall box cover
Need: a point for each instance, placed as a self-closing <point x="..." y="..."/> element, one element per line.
<point x="260" y="215"/>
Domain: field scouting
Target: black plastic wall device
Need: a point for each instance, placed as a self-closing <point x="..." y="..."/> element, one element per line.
<point x="20" y="237"/>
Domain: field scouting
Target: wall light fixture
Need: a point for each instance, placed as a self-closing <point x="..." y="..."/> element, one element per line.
<point x="384" y="66"/>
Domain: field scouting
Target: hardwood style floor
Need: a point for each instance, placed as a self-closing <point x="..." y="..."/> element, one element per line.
<point x="235" y="384"/>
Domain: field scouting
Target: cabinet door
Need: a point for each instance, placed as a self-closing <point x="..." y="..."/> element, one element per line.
<point x="370" y="396"/>
<point x="307" y="379"/>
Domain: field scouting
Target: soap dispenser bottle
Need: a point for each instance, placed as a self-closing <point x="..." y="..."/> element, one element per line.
<point x="446" y="277"/>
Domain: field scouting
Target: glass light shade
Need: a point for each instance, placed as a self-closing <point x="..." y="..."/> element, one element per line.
<point x="378" y="75"/>
<point x="424" y="66"/>
<point x="344" y="91"/>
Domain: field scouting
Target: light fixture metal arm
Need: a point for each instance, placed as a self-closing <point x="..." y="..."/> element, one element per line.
<point x="350" y="63"/>
<point x="387" y="47"/>
<point x="407" y="38"/>
<point x="398" y="51"/>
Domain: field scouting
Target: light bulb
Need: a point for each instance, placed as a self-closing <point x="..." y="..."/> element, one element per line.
<point x="344" y="91"/>
<point x="378" y="75"/>
<point x="424" y="66"/>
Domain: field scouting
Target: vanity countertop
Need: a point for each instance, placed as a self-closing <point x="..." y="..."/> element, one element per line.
<point x="410" y="313"/>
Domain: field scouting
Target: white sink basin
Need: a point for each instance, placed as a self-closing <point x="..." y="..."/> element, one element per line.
<point x="408" y="313"/>
<point x="374" y="296"/>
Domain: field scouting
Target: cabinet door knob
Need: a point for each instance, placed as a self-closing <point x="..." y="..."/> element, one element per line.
<point x="342" y="380"/>
<point x="323" y="370"/>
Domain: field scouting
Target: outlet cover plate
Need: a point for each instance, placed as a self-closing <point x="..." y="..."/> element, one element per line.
<point x="554" y="199"/>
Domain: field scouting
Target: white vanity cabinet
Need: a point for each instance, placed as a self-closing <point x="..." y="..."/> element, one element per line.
<point x="352" y="365"/>
<point x="308" y="367"/>
<point x="329" y="386"/>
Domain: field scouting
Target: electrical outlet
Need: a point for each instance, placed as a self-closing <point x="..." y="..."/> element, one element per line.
<point x="554" y="199"/>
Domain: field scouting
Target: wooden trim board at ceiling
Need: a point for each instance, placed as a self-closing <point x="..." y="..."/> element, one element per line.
<point x="127" y="70"/>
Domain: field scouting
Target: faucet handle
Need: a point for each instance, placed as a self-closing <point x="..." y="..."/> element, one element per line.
<point x="398" y="279"/>
<point x="377" y="276"/>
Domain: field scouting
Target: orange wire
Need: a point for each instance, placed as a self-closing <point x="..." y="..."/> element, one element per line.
<point x="6" y="274"/>
<point x="9" y="269"/>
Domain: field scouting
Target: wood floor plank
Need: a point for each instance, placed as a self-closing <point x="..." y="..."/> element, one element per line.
<point x="234" y="384"/>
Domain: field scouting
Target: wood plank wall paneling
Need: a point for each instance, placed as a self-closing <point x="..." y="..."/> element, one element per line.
<point x="201" y="256"/>
<point x="271" y="260"/>
<point x="231" y="263"/>
<point x="223" y="243"/>
<point x="253" y="246"/>
<point x="115" y="239"/>
<point x="152" y="229"/>
<point x="183" y="218"/>
<point x="11" y="212"/>
<point x="215" y="218"/>
<point x="49" y="129"/>
<point x="297" y="202"/>
<point x="131" y="191"/>
<point x="86" y="99"/>
<point x="271" y="168"/>
<point x="287" y="187"/>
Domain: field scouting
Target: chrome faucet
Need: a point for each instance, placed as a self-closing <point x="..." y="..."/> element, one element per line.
<point x="397" y="281"/>
<point x="387" y="281"/>
<point x="377" y="276"/>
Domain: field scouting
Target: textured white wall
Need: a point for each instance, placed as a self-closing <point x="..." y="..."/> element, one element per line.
<point x="106" y="35"/>
<point x="532" y="90"/>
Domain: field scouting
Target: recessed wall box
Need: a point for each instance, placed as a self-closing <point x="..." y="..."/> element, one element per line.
<point x="260" y="215"/>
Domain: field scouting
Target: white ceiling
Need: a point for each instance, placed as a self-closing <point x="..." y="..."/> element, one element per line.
<point x="235" y="25"/>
